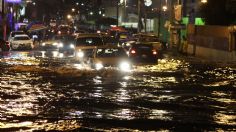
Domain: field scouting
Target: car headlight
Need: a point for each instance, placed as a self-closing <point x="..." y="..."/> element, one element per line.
<point x="98" y="66"/>
<point x="60" y="45"/>
<point x="43" y="44"/>
<point x="72" y="46"/>
<point x="80" y="54"/>
<point x="125" y="66"/>
<point x="55" y="44"/>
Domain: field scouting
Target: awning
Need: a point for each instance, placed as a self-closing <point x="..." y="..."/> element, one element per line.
<point x="35" y="26"/>
<point x="115" y="28"/>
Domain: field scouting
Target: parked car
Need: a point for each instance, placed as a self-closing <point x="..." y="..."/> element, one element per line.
<point x="4" y="45"/>
<point x="143" y="53"/>
<point x="21" y="42"/>
<point x="109" y="56"/>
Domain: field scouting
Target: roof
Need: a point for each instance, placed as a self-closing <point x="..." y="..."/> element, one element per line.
<point x="88" y="35"/>
<point x="21" y="35"/>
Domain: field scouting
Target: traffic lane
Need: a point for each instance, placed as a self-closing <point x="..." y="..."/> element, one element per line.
<point x="175" y="94"/>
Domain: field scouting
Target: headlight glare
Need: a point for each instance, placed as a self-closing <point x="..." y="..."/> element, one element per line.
<point x="72" y="46"/>
<point x="55" y="44"/>
<point x="125" y="66"/>
<point x="98" y="66"/>
<point x="80" y="54"/>
<point x="60" y="45"/>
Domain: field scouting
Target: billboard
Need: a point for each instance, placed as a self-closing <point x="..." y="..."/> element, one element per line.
<point x="13" y="1"/>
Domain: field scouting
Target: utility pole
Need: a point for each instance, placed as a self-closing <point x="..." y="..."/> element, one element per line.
<point x="159" y="19"/>
<point x="117" y="12"/>
<point x="3" y="20"/>
<point x="139" y="16"/>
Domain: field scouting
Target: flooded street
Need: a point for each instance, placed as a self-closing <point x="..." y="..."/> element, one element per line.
<point x="177" y="94"/>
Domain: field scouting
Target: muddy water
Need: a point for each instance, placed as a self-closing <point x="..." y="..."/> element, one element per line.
<point x="175" y="95"/>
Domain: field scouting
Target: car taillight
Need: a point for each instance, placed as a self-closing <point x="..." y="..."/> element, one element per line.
<point x="133" y="52"/>
<point x="7" y="43"/>
<point x="154" y="52"/>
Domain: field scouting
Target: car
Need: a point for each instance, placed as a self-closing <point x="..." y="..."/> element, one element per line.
<point x="146" y="38"/>
<point x="64" y="29"/>
<point x="107" y="39"/>
<point x="85" y="43"/>
<point x="109" y="56"/>
<point x="13" y="33"/>
<point x="4" y="45"/>
<point x="67" y="43"/>
<point x="78" y="32"/>
<point x="50" y="45"/>
<point x="143" y="53"/>
<point x="21" y="42"/>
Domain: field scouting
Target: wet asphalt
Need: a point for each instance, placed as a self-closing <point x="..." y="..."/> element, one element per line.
<point x="180" y="93"/>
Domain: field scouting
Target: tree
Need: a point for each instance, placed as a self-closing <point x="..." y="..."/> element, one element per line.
<point x="215" y="12"/>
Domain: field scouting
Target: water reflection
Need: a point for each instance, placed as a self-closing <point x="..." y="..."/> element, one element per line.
<point x="173" y="93"/>
<point x="160" y="114"/>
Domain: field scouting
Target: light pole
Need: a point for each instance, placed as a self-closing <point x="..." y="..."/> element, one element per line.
<point x="139" y="16"/>
<point x="117" y="12"/>
<point x="3" y="20"/>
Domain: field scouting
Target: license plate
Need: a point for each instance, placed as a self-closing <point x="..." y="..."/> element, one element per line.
<point x="144" y="56"/>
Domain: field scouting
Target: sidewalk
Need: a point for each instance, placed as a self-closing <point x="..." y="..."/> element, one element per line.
<point x="175" y="54"/>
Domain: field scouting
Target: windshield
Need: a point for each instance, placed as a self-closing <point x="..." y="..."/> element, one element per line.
<point x="149" y="39"/>
<point x="65" y="38"/>
<point x="22" y="38"/>
<point x="111" y="52"/>
<point x="109" y="40"/>
<point x="89" y="41"/>
<point x="16" y="33"/>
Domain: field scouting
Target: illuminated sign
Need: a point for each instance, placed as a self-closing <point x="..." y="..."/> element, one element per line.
<point x="13" y="1"/>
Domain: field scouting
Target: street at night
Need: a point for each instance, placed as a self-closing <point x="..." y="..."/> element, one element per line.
<point x="179" y="94"/>
<point x="118" y="65"/>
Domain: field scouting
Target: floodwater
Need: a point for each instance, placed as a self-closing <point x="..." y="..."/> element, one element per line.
<point x="178" y="94"/>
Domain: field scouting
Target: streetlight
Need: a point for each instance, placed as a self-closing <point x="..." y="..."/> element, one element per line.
<point x="164" y="8"/>
<point x="69" y="16"/>
<point x="203" y="1"/>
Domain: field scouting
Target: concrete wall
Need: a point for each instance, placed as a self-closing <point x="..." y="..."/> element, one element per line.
<point x="216" y="43"/>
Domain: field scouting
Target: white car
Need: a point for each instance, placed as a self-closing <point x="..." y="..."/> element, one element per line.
<point x="84" y="45"/>
<point x="21" y="42"/>
<point x="110" y="56"/>
<point x="13" y="33"/>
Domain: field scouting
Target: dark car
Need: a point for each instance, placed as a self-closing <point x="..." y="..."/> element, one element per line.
<point x="107" y="39"/>
<point x="67" y="43"/>
<point x="65" y="29"/>
<point x="4" y="45"/>
<point x="143" y="53"/>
